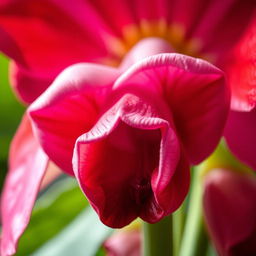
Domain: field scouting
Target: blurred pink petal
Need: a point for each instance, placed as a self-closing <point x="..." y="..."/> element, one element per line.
<point x="32" y="31"/>
<point x="27" y="167"/>
<point x="241" y="136"/>
<point x="69" y="107"/>
<point x="124" y="243"/>
<point x="222" y="37"/>
<point x="230" y="204"/>
<point x="38" y="27"/>
<point x="241" y="71"/>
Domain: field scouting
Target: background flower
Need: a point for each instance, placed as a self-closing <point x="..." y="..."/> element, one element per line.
<point x="229" y="207"/>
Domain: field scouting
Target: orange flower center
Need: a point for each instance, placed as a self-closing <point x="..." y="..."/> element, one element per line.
<point x="132" y="34"/>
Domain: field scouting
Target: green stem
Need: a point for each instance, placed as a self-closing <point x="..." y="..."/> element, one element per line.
<point x="195" y="241"/>
<point x="158" y="238"/>
<point x="178" y="218"/>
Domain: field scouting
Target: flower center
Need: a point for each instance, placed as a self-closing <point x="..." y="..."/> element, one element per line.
<point x="142" y="191"/>
<point x="174" y="34"/>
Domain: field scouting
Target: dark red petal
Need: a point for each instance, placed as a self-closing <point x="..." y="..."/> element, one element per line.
<point x="229" y="207"/>
<point x="124" y="167"/>
<point x="240" y="134"/>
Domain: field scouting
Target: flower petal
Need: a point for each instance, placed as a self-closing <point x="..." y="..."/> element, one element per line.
<point x="124" y="166"/>
<point x="194" y="91"/>
<point x="38" y="27"/>
<point x="8" y="46"/>
<point x="214" y="33"/>
<point x="241" y="137"/>
<point x="28" y="85"/>
<point x="241" y="71"/>
<point x="124" y="242"/>
<point x="27" y="167"/>
<point x="229" y="207"/>
<point x="69" y="108"/>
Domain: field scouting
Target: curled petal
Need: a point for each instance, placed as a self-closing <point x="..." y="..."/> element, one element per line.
<point x="27" y="167"/>
<point x="195" y="93"/>
<point x="69" y="108"/>
<point x="241" y="137"/>
<point x="127" y="164"/>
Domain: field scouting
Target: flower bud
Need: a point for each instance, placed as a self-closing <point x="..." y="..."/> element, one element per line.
<point x="229" y="202"/>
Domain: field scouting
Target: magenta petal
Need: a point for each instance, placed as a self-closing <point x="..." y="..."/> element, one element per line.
<point x="27" y="167"/>
<point x="229" y="207"/>
<point x="38" y="27"/>
<point x="241" y="71"/>
<point x="126" y="163"/>
<point x="27" y="84"/>
<point x="214" y="32"/>
<point x="195" y="92"/>
<point x="240" y="135"/>
<point x="69" y="108"/>
<point x="9" y="47"/>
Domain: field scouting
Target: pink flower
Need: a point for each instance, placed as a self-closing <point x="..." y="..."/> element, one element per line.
<point x="124" y="243"/>
<point x="44" y="37"/>
<point x="135" y="130"/>
<point x="229" y="206"/>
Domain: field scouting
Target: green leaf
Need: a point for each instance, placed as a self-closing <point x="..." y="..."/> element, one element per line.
<point x="84" y="236"/>
<point x="55" y="209"/>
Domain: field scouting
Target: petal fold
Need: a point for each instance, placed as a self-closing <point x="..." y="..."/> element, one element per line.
<point x="195" y="92"/>
<point x="69" y="108"/>
<point x="126" y="163"/>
